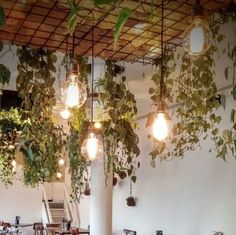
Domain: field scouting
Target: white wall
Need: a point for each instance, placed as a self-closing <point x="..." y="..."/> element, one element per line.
<point x="19" y="200"/>
<point x="195" y="195"/>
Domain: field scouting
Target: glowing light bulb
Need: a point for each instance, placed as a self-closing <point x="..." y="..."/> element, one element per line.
<point x="92" y="147"/>
<point x="74" y="93"/>
<point x="59" y="175"/>
<point x="61" y="161"/>
<point x="197" y="37"/>
<point x="72" y="98"/>
<point x="160" y="127"/>
<point x="65" y="114"/>
<point x="97" y="125"/>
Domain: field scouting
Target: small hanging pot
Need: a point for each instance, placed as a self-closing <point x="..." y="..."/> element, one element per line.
<point x="131" y="200"/>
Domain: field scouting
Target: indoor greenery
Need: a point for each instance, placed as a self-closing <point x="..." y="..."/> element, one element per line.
<point x="118" y="129"/>
<point x="11" y="126"/>
<point x="42" y="140"/>
<point x="121" y="141"/>
<point x="79" y="11"/>
<point x="197" y="99"/>
<point x="4" y="71"/>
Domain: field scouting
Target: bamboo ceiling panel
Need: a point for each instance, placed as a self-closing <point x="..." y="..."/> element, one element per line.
<point x="42" y="23"/>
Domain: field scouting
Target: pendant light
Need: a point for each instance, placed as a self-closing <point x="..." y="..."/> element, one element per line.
<point x="160" y="128"/>
<point x="197" y="37"/>
<point x="92" y="146"/>
<point x="74" y="93"/>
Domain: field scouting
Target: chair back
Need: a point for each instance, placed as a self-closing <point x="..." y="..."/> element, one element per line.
<point x="74" y="230"/>
<point x="38" y="228"/>
<point x="129" y="232"/>
<point x="159" y="232"/>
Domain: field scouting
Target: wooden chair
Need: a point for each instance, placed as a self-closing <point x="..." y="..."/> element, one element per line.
<point x="50" y="228"/>
<point x="38" y="229"/>
<point x="74" y="230"/>
<point x="129" y="232"/>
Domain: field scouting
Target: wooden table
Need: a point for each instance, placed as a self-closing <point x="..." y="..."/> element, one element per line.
<point x="21" y="225"/>
<point x="63" y="232"/>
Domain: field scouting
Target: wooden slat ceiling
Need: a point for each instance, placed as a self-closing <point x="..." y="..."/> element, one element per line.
<point x="42" y="23"/>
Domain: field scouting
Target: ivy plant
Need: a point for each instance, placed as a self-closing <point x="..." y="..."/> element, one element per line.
<point x="42" y="139"/>
<point x="227" y="141"/>
<point x="195" y="115"/>
<point x="11" y="126"/>
<point x="121" y="141"/>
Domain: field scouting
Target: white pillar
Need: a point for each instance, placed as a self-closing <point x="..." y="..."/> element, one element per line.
<point x="101" y="201"/>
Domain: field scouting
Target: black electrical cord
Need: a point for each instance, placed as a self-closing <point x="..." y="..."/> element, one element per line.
<point x="162" y="50"/>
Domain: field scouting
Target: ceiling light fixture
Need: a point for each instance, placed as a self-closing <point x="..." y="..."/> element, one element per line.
<point x="92" y="146"/>
<point x="160" y="128"/>
<point x="74" y="93"/>
<point x="197" y="37"/>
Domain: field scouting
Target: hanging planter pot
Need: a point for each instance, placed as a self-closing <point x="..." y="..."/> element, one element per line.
<point x="122" y="174"/>
<point x="131" y="201"/>
<point x="87" y="191"/>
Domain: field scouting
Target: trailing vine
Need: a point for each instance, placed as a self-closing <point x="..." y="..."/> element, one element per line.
<point x="42" y="139"/>
<point x="78" y="129"/>
<point x="10" y="128"/>
<point x="227" y="141"/>
<point x="195" y="117"/>
<point x="121" y="141"/>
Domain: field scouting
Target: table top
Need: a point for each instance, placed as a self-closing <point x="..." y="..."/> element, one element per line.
<point x="21" y="225"/>
<point x="81" y="231"/>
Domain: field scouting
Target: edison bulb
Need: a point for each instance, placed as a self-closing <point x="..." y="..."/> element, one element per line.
<point x="197" y="37"/>
<point x="98" y="125"/>
<point x="65" y="114"/>
<point x="92" y="147"/>
<point x="61" y="161"/>
<point x="74" y="93"/>
<point x="59" y="175"/>
<point x="160" y="127"/>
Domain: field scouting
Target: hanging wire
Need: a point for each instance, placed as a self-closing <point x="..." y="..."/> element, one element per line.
<point x="92" y="74"/>
<point x="162" y="49"/>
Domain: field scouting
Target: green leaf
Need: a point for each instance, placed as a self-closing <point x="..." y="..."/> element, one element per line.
<point x="227" y="135"/>
<point x="227" y="73"/>
<point x="2" y="16"/>
<point x="233" y="92"/>
<point x="72" y="18"/>
<point x="122" y="18"/>
<point x="133" y="178"/>
<point x="103" y="2"/>
<point x="233" y="116"/>
<point x="5" y="74"/>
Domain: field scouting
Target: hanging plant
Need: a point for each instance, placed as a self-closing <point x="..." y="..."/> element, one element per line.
<point x="78" y="129"/>
<point x="11" y="126"/>
<point x="79" y="12"/>
<point x="227" y="142"/>
<point x="42" y="140"/>
<point x="120" y="139"/>
<point x="196" y="92"/>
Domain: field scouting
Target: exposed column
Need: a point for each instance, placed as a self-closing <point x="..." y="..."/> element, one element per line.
<point x="101" y="201"/>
